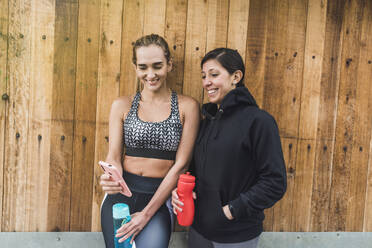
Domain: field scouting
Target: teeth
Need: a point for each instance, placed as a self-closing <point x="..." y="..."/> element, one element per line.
<point x="211" y="91"/>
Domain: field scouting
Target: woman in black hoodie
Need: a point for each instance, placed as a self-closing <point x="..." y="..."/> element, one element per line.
<point x="238" y="160"/>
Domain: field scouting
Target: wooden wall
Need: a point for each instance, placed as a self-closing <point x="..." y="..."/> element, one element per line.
<point x="63" y="62"/>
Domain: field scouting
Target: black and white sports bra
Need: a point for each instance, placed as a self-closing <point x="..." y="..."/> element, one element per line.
<point x="152" y="139"/>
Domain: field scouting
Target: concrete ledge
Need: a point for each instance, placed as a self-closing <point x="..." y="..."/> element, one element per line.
<point x="178" y="240"/>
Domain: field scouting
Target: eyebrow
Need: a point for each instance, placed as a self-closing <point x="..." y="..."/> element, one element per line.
<point x="156" y="63"/>
<point x="210" y="70"/>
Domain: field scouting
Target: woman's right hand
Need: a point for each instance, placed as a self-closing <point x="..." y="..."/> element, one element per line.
<point x="176" y="203"/>
<point x="109" y="186"/>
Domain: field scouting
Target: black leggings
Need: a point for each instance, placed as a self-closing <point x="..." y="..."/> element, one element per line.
<point x="156" y="233"/>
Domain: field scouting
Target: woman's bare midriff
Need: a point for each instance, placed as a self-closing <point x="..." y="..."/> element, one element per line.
<point x="147" y="167"/>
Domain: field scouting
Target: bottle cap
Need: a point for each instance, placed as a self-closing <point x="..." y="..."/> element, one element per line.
<point x="187" y="178"/>
<point x="120" y="210"/>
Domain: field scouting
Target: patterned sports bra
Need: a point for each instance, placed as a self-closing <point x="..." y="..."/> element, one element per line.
<point x="152" y="139"/>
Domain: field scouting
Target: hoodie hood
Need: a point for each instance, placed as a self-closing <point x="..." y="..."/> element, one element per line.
<point x="237" y="96"/>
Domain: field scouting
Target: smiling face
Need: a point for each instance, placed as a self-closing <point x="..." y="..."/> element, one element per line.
<point x="217" y="81"/>
<point x="152" y="67"/>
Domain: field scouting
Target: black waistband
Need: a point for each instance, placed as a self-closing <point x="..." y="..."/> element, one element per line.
<point x="141" y="184"/>
<point x="150" y="153"/>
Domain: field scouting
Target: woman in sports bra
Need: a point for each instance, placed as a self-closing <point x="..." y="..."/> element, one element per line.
<point x="157" y="129"/>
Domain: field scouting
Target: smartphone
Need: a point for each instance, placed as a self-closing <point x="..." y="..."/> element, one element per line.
<point x="114" y="173"/>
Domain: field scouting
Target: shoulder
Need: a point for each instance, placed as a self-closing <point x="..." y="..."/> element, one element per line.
<point x="187" y="103"/>
<point x="262" y="120"/>
<point x="122" y="104"/>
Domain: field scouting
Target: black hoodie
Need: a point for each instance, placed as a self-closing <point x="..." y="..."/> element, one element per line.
<point x="237" y="160"/>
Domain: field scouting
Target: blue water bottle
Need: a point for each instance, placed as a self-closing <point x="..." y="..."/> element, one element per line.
<point x="121" y="215"/>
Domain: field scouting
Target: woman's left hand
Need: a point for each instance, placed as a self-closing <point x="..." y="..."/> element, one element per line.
<point x="133" y="227"/>
<point x="227" y="212"/>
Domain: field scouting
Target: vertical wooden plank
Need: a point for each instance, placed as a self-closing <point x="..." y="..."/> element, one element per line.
<point x="154" y="22"/>
<point x="365" y="75"/>
<point x="283" y="79"/>
<point x="59" y="195"/>
<point x="367" y="214"/>
<point x="278" y="218"/>
<point x="107" y="91"/>
<point x="257" y="37"/>
<point x="15" y="166"/>
<point x="285" y="47"/>
<point x="85" y="116"/>
<point x="133" y="19"/>
<point x="327" y="117"/>
<point x="195" y="48"/>
<point x="175" y="34"/>
<point x="345" y="117"/>
<point x="362" y="127"/>
<point x="42" y="49"/>
<point x="238" y="25"/>
<point x="3" y="90"/>
<point x="218" y="18"/>
<point x="310" y="98"/>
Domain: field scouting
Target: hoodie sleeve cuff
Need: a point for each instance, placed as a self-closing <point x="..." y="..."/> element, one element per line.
<point x="239" y="209"/>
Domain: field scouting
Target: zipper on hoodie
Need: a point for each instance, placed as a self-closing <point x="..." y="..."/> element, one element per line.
<point x="213" y="121"/>
<point x="205" y="145"/>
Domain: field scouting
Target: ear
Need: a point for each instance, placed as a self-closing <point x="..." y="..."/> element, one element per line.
<point x="170" y="65"/>
<point x="237" y="76"/>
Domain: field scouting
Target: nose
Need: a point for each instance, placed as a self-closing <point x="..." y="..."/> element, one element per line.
<point x="150" y="74"/>
<point x="206" y="82"/>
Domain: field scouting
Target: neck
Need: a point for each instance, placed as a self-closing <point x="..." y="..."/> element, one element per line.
<point x="160" y="95"/>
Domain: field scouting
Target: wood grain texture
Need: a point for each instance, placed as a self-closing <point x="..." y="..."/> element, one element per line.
<point x="339" y="199"/>
<point x="217" y="23"/>
<point x="133" y="19"/>
<point x="4" y="12"/>
<point x="175" y="35"/>
<point x="15" y="161"/>
<point x="62" y="126"/>
<point x="40" y="109"/>
<point x="362" y="127"/>
<point x="364" y="76"/>
<point x="107" y="91"/>
<point x="327" y="117"/>
<point x="284" y="70"/>
<point x="154" y="22"/>
<point x="255" y="57"/>
<point x="279" y="218"/>
<point x="85" y="116"/>
<point x="196" y="31"/>
<point x="310" y="99"/>
<point x="238" y="26"/>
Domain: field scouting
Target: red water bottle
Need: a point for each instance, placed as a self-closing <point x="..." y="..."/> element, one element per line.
<point x="186" y="184"/>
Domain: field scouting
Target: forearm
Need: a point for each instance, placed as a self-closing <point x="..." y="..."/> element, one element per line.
<point x="115" y="160"/>
<point x="262" y="195"/>
<point x="163" y="192"/>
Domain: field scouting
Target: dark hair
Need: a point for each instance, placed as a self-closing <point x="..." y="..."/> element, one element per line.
<point x="151" y="39"/>
<point x="229" y="59"/>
